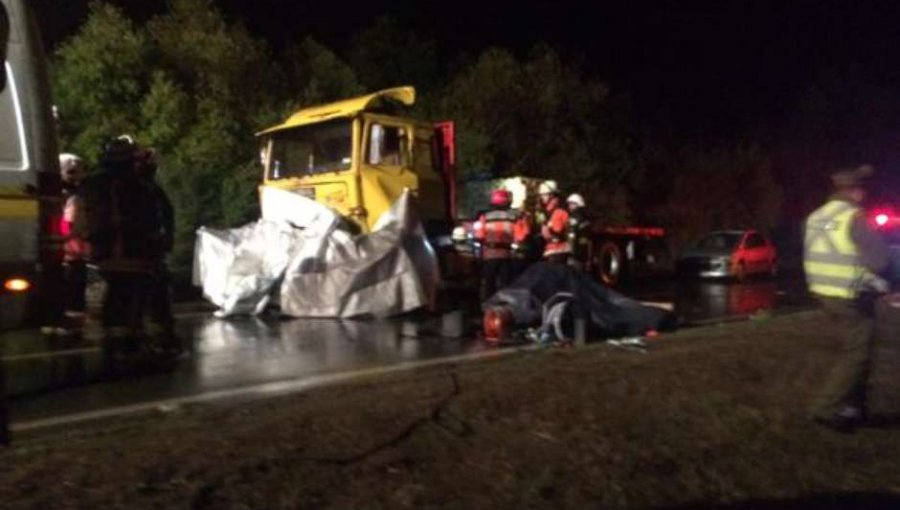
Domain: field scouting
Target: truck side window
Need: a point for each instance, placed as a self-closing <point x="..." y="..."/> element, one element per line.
<point x="388" y="145"/>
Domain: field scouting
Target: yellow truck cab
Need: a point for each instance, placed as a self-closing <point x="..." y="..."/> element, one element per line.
<point x="357" y="156"/>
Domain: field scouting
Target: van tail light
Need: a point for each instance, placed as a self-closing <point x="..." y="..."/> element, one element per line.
<point x="17" y="285"/>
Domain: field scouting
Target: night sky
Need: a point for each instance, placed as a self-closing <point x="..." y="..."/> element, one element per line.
<point x="721" y="65"/>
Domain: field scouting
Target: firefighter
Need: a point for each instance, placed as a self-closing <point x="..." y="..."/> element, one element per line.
<point x="497" y="231"/>
<point x="461" y="243"/>
<point x="578" y="232"/>
<point x="160" y="321"/>
<point x="462" y="263"/>
<point x="523" y="248"/>
<point x="555" y="226"/>
<point x="76" y="248"/>
<point x="122" y="225"/>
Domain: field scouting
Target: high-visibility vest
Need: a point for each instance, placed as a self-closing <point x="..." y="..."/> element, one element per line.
<point x="495" y="230"/>
<point x="555" y="232"/>
<point x="830" y="257"/>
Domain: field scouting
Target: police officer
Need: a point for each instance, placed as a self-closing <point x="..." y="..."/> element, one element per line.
<point x="497" y="231"/>
<point x="842" y="259"/>
<point x="578" y="232"/>
<point x="556" y="224"/>
<point x="122" y="224"/>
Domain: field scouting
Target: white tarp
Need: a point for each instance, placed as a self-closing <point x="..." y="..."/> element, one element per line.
<point x="298" y="254"/>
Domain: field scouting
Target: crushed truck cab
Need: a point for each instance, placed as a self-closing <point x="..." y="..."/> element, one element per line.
<point x="357" y="156"/>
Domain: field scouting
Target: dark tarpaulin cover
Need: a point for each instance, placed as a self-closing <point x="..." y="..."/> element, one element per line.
<point x="610" y="314"/>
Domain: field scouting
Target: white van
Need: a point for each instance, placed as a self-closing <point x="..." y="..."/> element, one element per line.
<point x="30" y="207"/>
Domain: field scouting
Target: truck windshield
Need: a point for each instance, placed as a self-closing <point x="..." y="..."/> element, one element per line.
<point x="310" y="150"/>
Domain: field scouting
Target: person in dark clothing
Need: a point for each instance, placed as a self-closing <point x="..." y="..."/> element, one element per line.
<point x="843" y="259"/>
<point x="160" y="321"/>
<point x="122" y="224"/>
<point x="578" y="232"/>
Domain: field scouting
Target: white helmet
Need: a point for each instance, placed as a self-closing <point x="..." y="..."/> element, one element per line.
<point x="70" y="167"/>
<point x="459" y="234"/>
<point x="575" y="200"/>
<point x="547" y="188"/>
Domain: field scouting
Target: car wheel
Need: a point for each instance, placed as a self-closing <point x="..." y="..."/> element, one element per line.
<point x="609" y="263"/>
<point x="740" y="272"/>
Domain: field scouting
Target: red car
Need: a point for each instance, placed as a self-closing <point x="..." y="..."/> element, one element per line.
<point x="730" y="254"/>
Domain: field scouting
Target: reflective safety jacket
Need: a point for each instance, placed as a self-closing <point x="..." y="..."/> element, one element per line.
<point x="76" y="247"/>
<point x="498" y="230"/>
<point x="831" y="259"/>
<point x="556" y="230"/>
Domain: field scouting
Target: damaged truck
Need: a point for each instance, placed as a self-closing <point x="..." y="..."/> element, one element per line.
<point x="358" y="155"/>
<point x="358" y="202"/>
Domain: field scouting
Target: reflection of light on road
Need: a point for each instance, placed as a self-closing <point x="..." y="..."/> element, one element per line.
<point x="270" y="348"/>
<point x="703" y="300"/>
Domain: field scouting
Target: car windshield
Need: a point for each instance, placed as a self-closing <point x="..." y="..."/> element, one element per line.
<point x="724" y="241"/>
<point x="310" y="150"/>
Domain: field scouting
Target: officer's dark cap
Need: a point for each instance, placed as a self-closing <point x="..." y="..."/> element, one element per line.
<point x="852" y="177"/>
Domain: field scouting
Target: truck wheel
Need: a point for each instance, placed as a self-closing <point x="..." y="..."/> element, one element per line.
<point x="609" y="263"/>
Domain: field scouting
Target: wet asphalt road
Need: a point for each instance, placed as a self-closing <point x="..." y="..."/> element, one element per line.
<point x="55" y="377"/>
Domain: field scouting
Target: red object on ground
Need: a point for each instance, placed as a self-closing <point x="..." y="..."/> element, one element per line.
<point x="498" y="323"/>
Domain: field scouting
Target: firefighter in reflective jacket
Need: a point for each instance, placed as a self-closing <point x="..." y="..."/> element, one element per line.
<point x="555" y="229"/>
<point x="842" y="258"/>
<point x="579" y="230"/>
<point x="498" y="231"/>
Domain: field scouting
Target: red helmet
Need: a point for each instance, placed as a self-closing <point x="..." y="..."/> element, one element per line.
<point x="501" y="197"/>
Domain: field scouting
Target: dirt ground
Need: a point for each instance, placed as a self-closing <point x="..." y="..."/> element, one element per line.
<point x="704" y="418"/>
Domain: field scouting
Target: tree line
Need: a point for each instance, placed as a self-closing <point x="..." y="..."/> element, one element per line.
<point x="197" y="87"/>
